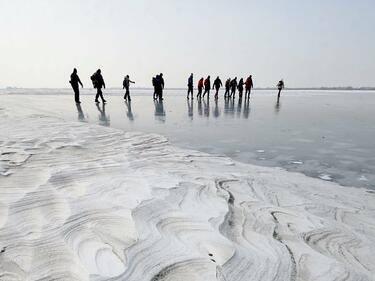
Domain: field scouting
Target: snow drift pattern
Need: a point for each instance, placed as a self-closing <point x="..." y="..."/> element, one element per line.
<point x="84" y="202"/>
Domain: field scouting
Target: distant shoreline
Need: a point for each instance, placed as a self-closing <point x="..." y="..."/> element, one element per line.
<point x="183" y="88"/>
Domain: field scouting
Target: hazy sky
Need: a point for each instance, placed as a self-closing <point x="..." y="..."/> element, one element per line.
<point x="308" y="43"/>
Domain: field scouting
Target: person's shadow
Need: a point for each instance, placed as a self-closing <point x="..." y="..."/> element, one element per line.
<point x="216" y="110"/>
<point x="104" y="120"/>
<point x="246" y="109"/>
<point x="129" y="113"/>
<point x="81" y="115"/>
<point x="190" y="108"/>
<point x="159" y="111"/>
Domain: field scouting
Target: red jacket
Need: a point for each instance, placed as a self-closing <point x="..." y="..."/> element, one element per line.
<point x="200" y="83"/>
<point x="249" y="83"/>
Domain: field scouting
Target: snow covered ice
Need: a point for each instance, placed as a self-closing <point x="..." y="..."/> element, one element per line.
<point x="80" y="201"/>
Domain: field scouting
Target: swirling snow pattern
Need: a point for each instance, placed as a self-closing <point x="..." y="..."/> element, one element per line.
<point x="84" y="202"/>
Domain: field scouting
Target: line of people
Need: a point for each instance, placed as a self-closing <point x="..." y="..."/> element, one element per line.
<point x="98" y="84"/>
<point x="231" y="86"/>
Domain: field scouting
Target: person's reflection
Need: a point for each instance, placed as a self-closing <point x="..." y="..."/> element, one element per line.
<point x="216" y="110"/>
<point x="129" y="113"/>
<point x="81" y="115"/>
<point x="206" y="107"/>
<point x="190" y="108"/>
<point x="159" y="110"/>
<point x="246" y="109"/>
<point x="231" y="107"/>
<point x="277" y="106"/>
<point x="226" y="106"/>
<point x="239" y="106"/>
<point x="200" y="107"/>
<point x="104" y="120"/>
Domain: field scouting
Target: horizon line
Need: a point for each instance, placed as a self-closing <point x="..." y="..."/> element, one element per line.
<point x="183" y="88"/>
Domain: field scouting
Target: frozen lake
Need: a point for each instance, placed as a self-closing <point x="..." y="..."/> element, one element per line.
<point x="324" y="134"/>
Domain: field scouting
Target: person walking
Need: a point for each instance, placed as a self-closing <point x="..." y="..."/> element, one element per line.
<point x="280" y="86"/>
<point x="74" y="81"/>
<point x="200" y="88"/>
<point x="227" y="88"/>
<point x="233" y="86"/>
<point x="98" y="83"/>
<point x="207" y="87"/>
<point x="240" y="88"/>
<point x="190" y="86"/>
<point x="154" y="85"/>
<point x="161" y="87"/>
<point x="125" y="85"/>
<point x="248" y="86"/>
<point x="217" y="84"/>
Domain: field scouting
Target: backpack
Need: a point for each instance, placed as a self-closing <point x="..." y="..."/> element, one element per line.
<point x="94" y="80"/>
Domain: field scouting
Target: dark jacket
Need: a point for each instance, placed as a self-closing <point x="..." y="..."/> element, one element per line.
<point x="227" y="84"/>
<point x="207" y="84"/>
<point x="74" y="80"/>
<point x="217" y="83"/>
<point x="98" y="80"/>
<point x="159" y="83"/>
<point x="190" y="82"/>
<point x="233" y="84"/>
<point x="240" y="84"/>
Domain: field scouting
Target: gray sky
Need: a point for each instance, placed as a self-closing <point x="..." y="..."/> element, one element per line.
<point x="308" y="43"/>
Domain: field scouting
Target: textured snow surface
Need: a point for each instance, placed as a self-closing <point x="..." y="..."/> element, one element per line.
<point x="85" y="202"/>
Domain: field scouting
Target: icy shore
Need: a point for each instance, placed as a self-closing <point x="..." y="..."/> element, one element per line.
<point x="85" y="202"/>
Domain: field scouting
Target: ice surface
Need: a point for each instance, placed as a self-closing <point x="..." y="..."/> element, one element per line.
<point x="329" y="132"/>
<point x="86" y="202"/>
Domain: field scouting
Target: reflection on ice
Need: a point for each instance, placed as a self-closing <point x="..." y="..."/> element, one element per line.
<point x="159" y="111"/>
<point x="190" y="108"/>
<point x="277" y="106"/>
<point x="216" y="109"/>
<point x="81" y="115"/>
<point x="104" y="120"/>
<point x="206" y="104"/>
<point x="129" y="112"/>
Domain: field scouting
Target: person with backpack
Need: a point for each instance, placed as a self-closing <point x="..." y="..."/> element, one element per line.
<point x="190" y="86"/>
<point x="159" y="85"/>
<point x="98" y="83"/>
<point x="227" y="88"/>
<point x="74" y="81"/>
<point x="125" y="85"/>
<point x="233" y="86"/>
<point x="280" y="86"/>
<point x="248" y="86"/>
<point x="217" y="84"/>
<point x="240" y="87"/>
<point x="207" y="87"/>
<point x="200" y="87"/>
